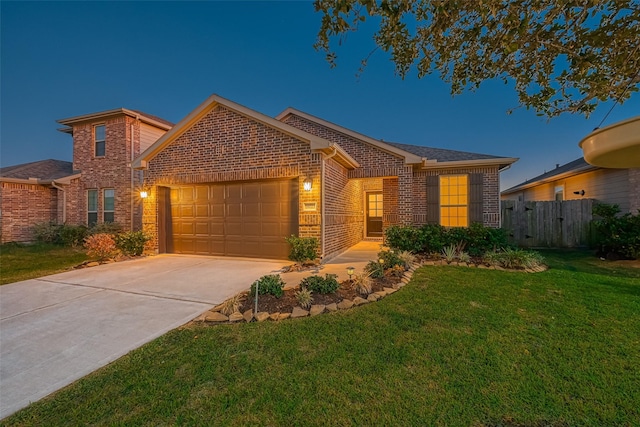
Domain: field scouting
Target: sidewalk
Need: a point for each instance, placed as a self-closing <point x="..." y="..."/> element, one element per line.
<point x="356" y="256"/>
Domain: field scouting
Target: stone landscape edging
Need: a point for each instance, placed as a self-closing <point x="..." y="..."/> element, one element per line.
<point x="214" y="316"/>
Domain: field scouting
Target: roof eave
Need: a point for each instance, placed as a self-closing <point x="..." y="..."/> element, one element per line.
<point x="70" y="121"/>
<point x="501" y="162"/>
<point x="409" y="158"/>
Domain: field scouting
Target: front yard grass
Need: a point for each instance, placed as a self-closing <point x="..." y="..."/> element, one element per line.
<point x="457" y="346"/>
<point x="22" y="262"/>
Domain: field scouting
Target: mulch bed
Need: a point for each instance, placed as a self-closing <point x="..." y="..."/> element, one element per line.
<point x="286" y="303"/>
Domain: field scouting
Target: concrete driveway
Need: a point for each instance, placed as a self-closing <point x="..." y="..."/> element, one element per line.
<point x="57" y="329"/>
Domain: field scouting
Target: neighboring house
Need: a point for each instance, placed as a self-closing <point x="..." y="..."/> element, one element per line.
<point x="580" y="180"/>
<point x="99" y="186"/>
<point x="227" y="180"/>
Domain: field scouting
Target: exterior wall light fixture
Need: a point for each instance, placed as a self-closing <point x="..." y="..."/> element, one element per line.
<point x="580" y="193"/>
<point x="306" y="184"/>
<point x="144" y="194"/>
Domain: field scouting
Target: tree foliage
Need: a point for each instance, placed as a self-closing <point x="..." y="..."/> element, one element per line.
<point x="562" y="56"/>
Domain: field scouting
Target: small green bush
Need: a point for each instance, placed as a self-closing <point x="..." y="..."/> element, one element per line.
<point x="321" y="285"/>
<point x="304" y="297"/>
<point x="514" y="259"/>
<point x="271" y="284"/>
<point x="72" y="235"/>
<point x="390" y="259"/>
<point x="617" y="235"/>
<point x="303" y="249"/>
<point x="100" y="246"/>
<point x="374" y="269"/>
<point x="106" y="228"/>
<point x="433" y="237"/>
<point x="404" y="238"/>
<point x="46" y="232"/>
<point x="131" y="243"/>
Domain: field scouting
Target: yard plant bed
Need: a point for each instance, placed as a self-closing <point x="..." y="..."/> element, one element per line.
<point x="456" y="346"/>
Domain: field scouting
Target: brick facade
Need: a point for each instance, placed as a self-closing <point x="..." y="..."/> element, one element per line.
<point x="24" y="205"/>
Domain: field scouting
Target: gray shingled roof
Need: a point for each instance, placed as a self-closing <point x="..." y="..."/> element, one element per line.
<point x="44" y="169"/>
<point x="574" y="166"/>
<point x="441" y="154"/>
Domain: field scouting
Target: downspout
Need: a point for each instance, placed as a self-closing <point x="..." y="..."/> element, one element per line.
<point x="322" y="198"/>
<point x="131" y="192"/>
<point x="64" y="201"/>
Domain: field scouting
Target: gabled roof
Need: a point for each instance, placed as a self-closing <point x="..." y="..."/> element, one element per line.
<point x="409" y="158"/>
<point x="39" y="172"/>
<point x="103" y="115"/>
<point x="427" y="157"/>
<point x="567" y="170"/>
<point x="316" y="143"/>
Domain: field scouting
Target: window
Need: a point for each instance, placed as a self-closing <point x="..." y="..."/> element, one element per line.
<point x="108" y="205"/>
<point x="99" y="140"/>
<point x="454" y="209"/>
<point x="559" y="193"/>
<point x="92" y="207"/>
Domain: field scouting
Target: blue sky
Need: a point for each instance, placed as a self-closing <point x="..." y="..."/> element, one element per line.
<point x="62" y="59"/>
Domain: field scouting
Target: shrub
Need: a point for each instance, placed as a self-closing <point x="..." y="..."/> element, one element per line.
<point x="363" y="283"/>
<point x="45" y="232"/>
<point x="394" y="273"/>
<point x="303" y="249"/>
<point x="433" y="237"/>
<point x="407" y="258"/>
<point x="374" y="269"/>
<point x="481" y="239"/>
<point x="304" y="298"/>
<point x="322" y="285"/>
<point x="72" y="235"/>
<point x="404" y="238"/>
<point x="271" y="284"/>
<point x="390" y="259"/>
<point x="617" y="235"/>
<point x="131" y="243"/>
<point x="231" y="305"/>
<point x="514" y="258"/>
<point x="100" y="246"/>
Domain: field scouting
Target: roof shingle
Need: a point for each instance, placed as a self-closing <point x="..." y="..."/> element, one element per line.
<point x="43" y="169"/>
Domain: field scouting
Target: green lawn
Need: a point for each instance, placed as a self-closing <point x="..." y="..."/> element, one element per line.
<point x="457" y="346"/>
<point x="22" y="262"/>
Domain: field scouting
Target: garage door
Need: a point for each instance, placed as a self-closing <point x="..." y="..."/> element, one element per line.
<point x="244" y="219"/>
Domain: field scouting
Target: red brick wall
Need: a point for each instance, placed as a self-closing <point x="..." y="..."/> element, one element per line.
<point x="22" y="206"/>
<point x="227" y="146"/>
<point x="110" y="171"/>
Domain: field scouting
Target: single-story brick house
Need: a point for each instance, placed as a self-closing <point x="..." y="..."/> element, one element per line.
<point x="230" y="181"/>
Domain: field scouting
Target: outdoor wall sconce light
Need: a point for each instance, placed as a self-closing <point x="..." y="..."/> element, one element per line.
<point x="306" y="184"/>
<point x="580" y="193"/>
<point x="350" y="271"/>
<point x="144" y="194"/>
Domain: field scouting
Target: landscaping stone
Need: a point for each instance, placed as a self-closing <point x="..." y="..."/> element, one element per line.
<point x="316" y="309"/>
<point x="345" y="304"/>
<point x="262" y="316"/>
<point x="299" y="312"/>
<point x="275" y="316"/>
<point x="359" y="301"/>
<point x="93" y="264"/>
<point x="429" y="263"/>
<point x="332" y="307"/>
<point x="236" y="317"/>
<point x="389" y="291"/>
<point x="248" y="315"/>
<point x="214" y="316"/>
<point x="482" y="266"/>
<point x="381" y="294"/>
<point x="373" y="297"/>
<point x="283" y="316"/>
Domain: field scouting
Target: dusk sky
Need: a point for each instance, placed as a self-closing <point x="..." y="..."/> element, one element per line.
<point x="63" y="59"/>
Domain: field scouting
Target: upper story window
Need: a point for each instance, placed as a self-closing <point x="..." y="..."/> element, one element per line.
<point x="92" y="207"/>
<point x="109" y="204"/>
<point x="559" y="193"/>
<point x="99" y="136"/>
<point x="454" y="200"/>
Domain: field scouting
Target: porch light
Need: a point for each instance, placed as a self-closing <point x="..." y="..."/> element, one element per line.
<point x="307" y="184"/>
<point x="144" y="194"/>
<point x="350" y="271"/>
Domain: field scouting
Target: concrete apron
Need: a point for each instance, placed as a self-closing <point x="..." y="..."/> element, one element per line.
<point x="57" y="329"/>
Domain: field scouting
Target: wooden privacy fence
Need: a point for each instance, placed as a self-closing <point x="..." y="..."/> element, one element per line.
<point x="565" y="224"/>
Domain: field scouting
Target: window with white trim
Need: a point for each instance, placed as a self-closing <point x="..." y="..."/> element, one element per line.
<point x="454" y="200"/>
<point x="99" y="140"/>
<point x="108" y="205"/>
<point x="92" y="207"/>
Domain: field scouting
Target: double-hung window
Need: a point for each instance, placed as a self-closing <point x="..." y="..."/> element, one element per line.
<point x="454" y="200"/>
<point x="108" y="205"/>
<point x="99" y="137"/>
<point x="92" y="207"/>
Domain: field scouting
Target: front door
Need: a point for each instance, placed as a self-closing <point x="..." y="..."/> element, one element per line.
<point x="374" y="214"/>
